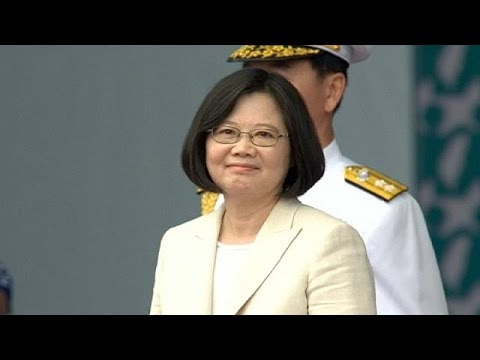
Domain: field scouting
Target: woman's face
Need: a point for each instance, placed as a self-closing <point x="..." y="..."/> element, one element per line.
<point x="242" y="168"/>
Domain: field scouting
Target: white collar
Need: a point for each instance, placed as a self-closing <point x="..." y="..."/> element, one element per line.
<point x="332" y="152"/>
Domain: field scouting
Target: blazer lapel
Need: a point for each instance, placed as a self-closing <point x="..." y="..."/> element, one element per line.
<point x="271" y="243"/>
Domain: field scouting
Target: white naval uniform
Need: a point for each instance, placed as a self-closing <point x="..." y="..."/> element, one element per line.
<point x="407" y="278"/>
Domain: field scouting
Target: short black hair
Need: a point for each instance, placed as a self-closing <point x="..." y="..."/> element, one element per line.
<point x="326" y="63"/>
<point x="307" y="159"/>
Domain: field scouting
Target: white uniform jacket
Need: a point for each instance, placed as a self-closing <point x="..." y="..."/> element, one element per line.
<point x="407" y="277"/>
<point x="302" y="261"/>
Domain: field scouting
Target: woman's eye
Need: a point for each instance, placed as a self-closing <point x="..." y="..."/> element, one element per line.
<point x="226" y="131"/>
<point x="264" y="134"/>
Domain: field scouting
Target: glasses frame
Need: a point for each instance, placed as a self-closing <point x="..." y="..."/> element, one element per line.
<point x="239" y="132"/>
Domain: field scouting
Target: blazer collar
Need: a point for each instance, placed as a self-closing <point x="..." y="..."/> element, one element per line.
<point x="272" y="241"/>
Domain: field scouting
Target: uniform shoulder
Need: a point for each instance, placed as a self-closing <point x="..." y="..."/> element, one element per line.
<point x="374" y="182"/>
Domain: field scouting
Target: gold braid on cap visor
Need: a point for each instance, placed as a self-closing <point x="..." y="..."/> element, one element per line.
<point x="276" y="51"/>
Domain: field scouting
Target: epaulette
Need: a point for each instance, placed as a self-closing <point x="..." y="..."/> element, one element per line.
<point x="374" y="182"/>
<point x="207" y="201"/>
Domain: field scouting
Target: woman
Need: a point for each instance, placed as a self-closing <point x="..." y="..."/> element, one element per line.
<point x="262" y="251"/>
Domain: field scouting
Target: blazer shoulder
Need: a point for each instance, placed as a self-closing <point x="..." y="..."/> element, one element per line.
<point x="310" y="216"/>
<point x="374" y="182"/>
<point x="317" y="224"/>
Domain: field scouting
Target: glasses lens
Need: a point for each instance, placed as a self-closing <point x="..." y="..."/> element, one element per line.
<point x="265" y="137"/>
<point x="225" y="134"/>
<point x="259" y="137"/>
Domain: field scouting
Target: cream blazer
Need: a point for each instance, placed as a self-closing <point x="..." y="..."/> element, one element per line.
<point x="303" y="261"/>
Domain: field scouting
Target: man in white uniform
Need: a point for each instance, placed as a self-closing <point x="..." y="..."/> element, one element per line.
<point x="390" y="221"/>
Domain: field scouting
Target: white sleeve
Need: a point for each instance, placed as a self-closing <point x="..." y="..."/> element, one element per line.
<point x="407" y="277"/>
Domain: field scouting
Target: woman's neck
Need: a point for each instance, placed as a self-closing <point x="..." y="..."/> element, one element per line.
<point x="243" y="220"/>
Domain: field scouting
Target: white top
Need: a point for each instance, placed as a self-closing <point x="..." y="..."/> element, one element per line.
<point x="407" y="278"/>
<point x="229" y="261"/>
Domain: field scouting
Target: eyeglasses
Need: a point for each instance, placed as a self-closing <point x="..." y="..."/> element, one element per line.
<point x="259" y="137"/>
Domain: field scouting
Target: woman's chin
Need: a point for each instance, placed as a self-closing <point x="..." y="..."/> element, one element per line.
<point x="239" y="190"/>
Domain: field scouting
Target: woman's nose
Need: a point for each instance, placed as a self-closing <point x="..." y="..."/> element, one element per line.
<point x="244" y="145"/>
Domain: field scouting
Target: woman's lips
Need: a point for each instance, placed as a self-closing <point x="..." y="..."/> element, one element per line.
<point x="242" y="167"/>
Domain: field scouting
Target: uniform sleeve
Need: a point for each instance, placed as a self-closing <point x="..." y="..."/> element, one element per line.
<point x="340" y="277"/>
<point x="406" y="270"/>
